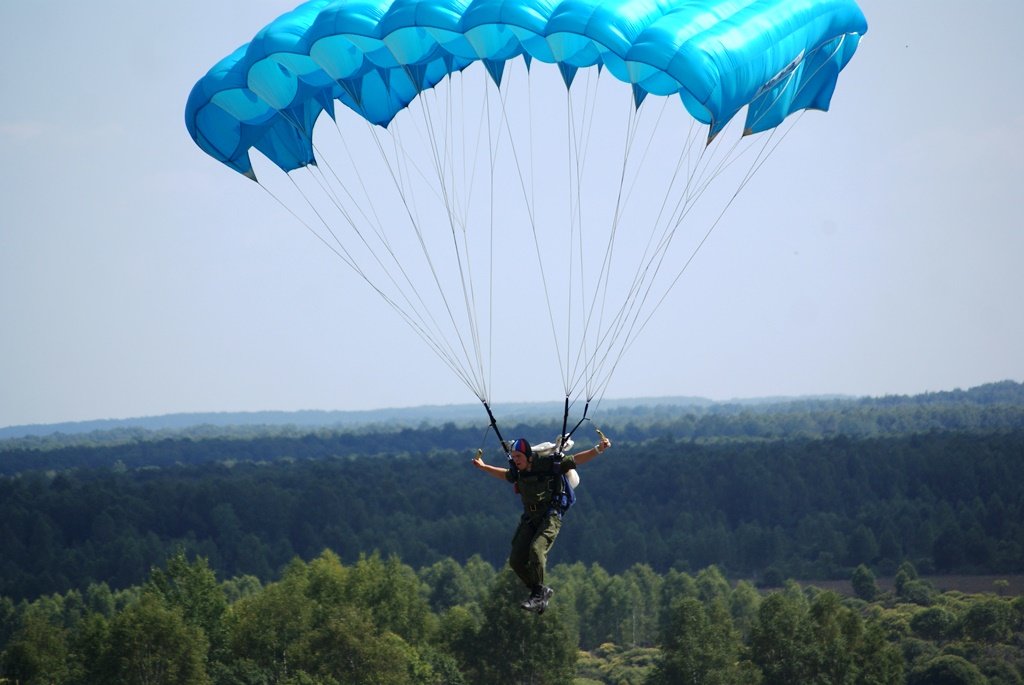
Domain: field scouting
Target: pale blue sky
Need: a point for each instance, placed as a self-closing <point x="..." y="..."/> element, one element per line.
<point x="879" y="253"/>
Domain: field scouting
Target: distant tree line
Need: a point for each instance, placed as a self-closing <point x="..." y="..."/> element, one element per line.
<point x="760" y="509"/>
<point x="995" y="407"/>
<point x="379" y="621"/>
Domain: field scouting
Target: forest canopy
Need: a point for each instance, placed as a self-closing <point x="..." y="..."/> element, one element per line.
<point x="808" y="489"/>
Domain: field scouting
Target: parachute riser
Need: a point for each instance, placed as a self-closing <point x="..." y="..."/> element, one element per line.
<point x="580" y="422"/>
<point x="494" y="426"/>
<point x="565" y="422"/>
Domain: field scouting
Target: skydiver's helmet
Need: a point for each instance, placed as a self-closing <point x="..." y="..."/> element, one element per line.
<point x="522" y="445"/>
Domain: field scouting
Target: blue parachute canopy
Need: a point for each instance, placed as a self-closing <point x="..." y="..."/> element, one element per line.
<point x="773" y="57"/>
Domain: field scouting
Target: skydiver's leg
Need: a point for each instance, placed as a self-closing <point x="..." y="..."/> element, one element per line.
<point x="540" y="545"/>
<point x="519" y="557"/>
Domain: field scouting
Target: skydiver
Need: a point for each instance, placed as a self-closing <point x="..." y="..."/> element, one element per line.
<point x="538" y="481"/>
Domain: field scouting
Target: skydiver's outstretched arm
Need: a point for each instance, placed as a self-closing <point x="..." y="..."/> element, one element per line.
<point x="496" y="471"/>
<point x="586" y="455"/>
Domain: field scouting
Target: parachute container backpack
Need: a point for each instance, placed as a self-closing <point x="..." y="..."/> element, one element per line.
<point x="592" y="144"/>
<point x="567" y="497"/>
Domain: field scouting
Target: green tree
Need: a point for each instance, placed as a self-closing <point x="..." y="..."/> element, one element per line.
<point x="37" y="653"/>
<point x="947" y="669"/>
<point x="836" y="632"/>
<point x="457" y="636"/>
<point x="863" y="581"/>
<point x="904" y="574"/>
<point x="989" y="620"/>
<point x="700" y="646"/>
<point x="676" y="585"/>
<point x="781" y="641"/>
<point x="743" y="605"/>
<point x="910" y="588"/>
<point x="193" y="589"/>
<point x="88" y="644"/>
<point x="100" y="599"/>
<point x="314" y="626"/>
<point x="596" y="625"/>
<point x="880" y="662"/>
<point x="449" y="584"/>
<point x="343" y="645"/>
<point x="640" y="623"/>
<point x="1017" y="616"/>
<point x="514" y="646"/>
<point x="263" y="628"/>
<point x="934" y="623"/>
<point x="151" y="644"/>
<point x="712" y="585"/>
<point x="389" y="590"/>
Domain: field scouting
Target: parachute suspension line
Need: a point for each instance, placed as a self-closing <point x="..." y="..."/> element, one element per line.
<point x="343" y="254"/>
<point x="584" y="357"/>
<point x="692" y="189"/>
<point x="397" y="175"/>
<point x="493" y="140"/>
<point x="316" y="173"/>
<point x="433" y="334"/>
<point x="447" y="185"/>
<point x="492" y="148"/>
<point x="698" y="179"/>
<point x="336" y="247"/>
<point x="578" y="149"/>
<point x="415" y="311"/>
<point x="596" y="361"/>
<point x="762" y="156"/>
<point x="573" y="173"/>
<point x="536" y="237"/>
<point x="593" y="361"/>
<point x="606" y="339"/>
<point x="444" y="161"/>
<point x="486" y="368"/>
<point x="530" y="206"/>
<point x="579" y="137"/>
<point x="443" y="154"/>
<point x="656" y="251"/>
<point x="410" y="314"/>
<point x="608" y="332"/>
<point x="375" y="224"/>
<point x="575" y="159"/>
<point x="328" y="191"/>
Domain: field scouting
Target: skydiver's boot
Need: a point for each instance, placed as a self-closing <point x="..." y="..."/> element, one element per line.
<point x="547" y="593"/>
<point x="538" y="599"/>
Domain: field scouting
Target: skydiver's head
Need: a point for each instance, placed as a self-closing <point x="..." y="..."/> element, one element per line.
<point x="521" y="453"/>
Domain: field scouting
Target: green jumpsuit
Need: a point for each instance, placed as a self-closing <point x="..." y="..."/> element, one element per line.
<point x="541" y="520"/>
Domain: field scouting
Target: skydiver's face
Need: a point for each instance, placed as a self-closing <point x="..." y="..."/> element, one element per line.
<point x="521" y="461"/>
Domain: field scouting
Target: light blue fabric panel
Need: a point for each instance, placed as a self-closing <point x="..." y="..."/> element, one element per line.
<point x="772" y="57"/>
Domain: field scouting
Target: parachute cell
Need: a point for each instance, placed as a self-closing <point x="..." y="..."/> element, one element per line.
<point x="719" y="56"/>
